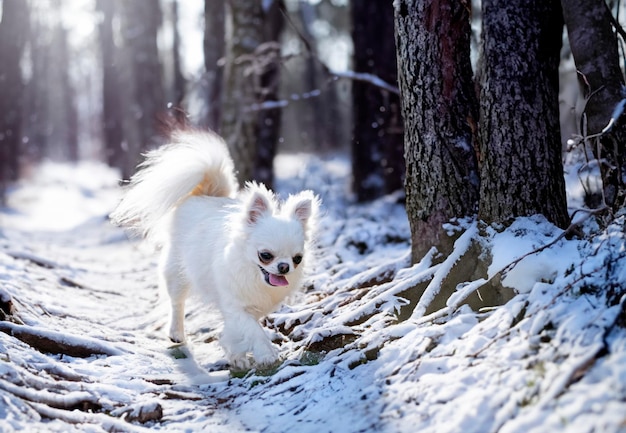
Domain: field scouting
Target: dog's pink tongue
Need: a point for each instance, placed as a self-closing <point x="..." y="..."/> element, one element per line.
<point x="278" y="280"/>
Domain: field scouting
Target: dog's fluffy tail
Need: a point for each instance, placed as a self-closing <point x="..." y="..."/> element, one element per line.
<point x="193" y="163"/>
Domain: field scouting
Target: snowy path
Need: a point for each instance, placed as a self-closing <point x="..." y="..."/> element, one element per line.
<point x="551" y="359"/>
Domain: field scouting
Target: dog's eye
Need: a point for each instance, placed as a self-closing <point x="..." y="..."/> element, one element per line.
<point x="266" y="256"/>
<point x="297" y="259"/>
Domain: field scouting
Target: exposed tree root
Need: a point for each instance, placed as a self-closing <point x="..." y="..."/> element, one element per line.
<point x="58" y="343"/>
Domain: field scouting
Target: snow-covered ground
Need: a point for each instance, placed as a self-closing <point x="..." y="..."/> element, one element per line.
<point x="85" y="348"/>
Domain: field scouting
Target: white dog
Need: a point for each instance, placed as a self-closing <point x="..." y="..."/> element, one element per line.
<point x="242" y="248"/>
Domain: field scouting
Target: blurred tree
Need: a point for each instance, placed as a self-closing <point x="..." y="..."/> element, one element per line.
<point x="595" y="50"/>
<point x="140" y="77"/>
<point x="377" y="140"/>
<point x="111" y="106"/>
<point x="520" y="144"/>
<point x="179" y="84"/>
<point x="326" y="113"/>
<point x="14" y="27"/>
<point x="241" y="71"/>
<point x="52" y="121"/>
<point x="439" y="110"/>
<point x="214" y="33"/>
<point x="251" y="68"/>
<point x="269" y="120"/>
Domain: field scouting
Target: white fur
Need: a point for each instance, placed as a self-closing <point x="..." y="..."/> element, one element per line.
<point x="212" y="243"/>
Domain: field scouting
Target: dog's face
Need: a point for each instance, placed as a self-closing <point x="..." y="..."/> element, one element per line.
<point x="276" y="239"/>
<point x="280" y="254"/>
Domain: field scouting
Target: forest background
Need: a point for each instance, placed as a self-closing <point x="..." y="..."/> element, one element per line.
<point x="463" y="120"/>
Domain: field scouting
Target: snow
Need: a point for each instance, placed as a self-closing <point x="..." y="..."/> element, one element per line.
<point x="553" y="358"/>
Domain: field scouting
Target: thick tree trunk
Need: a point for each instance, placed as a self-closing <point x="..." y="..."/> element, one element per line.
<point x="521" y="170"/>
<point x="13" y="36"/>
<point x="377" y="141"/>
<point x="111" y="109"/>
<point x="51" y="124"/>
<point x="251" y="78"/>
<point x="140" y="77"/>
<point x="594" y="47"/>
<point x="239" y="123"/>
<point x="269" y="121"/>
<point x="214" y="30"/>
<point x="439" y="111"/>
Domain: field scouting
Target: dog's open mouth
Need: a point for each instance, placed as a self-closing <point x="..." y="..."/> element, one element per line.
<point x="273" y="279"/>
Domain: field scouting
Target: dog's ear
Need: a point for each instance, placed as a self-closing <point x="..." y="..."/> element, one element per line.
<point x="260" y="202"/>
<point x="259" y="205"/>
<point x="303" y="207"/>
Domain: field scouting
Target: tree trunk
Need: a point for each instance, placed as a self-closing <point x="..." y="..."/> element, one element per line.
<point x="326" y="117"/>
<point x="214" y="30"/>
<point x="111" y="109"/>
<point x="521" y="171"/>
<point x="141" y="83"/>
<point x="377" y="145"/>
<point x="239" y="125"/>
<point x="269" y="121"/>
<point x="439" y="111"/>
<point x="51" y="124"/>
<point x="179" y="84"/>
<point x="252" y="78"/>
<point x="594" y="47"/>
<point x="13" y="36"/>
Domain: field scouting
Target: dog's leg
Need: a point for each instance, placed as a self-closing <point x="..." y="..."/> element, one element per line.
<point x="177" y="289"/>
<point x="243" y="334"/>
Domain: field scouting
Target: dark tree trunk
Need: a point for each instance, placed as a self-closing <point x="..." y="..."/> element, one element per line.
<point x="521" y="171"/>
<point x="377" y="141"/>
<point x="64" y="105"/>
<point x="269" y="121"/>
<point x="248" y="56"/>
<point x="140" y="78"/>
<point x="51" y="124"/>
<point x="238" y="123"/>
<point x="594" y="47"/>
<point x="111" y="109"/>
<point x="13" y="37"/>
<point x="326" y="117"/>
<point x="214" y="30"/>
<point x="439" y="111"/>
<point x="179" y="80"/>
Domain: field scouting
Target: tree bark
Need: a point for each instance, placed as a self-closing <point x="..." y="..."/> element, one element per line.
<point x="239" y="124"/>
<point x="141" y="83"/>
<point x="377" y="141"/>
<point x="111" y="109"/>
<point x="214" y="32"/>
<point x="439" y="111"/>
<point x="179" y="84"/>
<point x="269" y="121"/>
<point x="521" y="171"/>
<point x="245" y="64"/>
<point x="594" y="48"/>
<point x="13" y="37"/>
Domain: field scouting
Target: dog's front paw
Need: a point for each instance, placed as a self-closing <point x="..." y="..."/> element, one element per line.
<point x="177" y="338"/>
<point x="240" y="362"/>
<point x="265" y="354"/>
<point x="177" y="333"/>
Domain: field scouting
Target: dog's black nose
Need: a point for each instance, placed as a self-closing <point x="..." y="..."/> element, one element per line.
<point x="283" y="267"/>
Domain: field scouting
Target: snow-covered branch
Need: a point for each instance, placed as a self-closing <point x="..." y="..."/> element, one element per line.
<point x="366" y="77"/>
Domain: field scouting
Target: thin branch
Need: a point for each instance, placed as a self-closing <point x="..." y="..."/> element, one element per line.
<point x="366" y="77"/>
